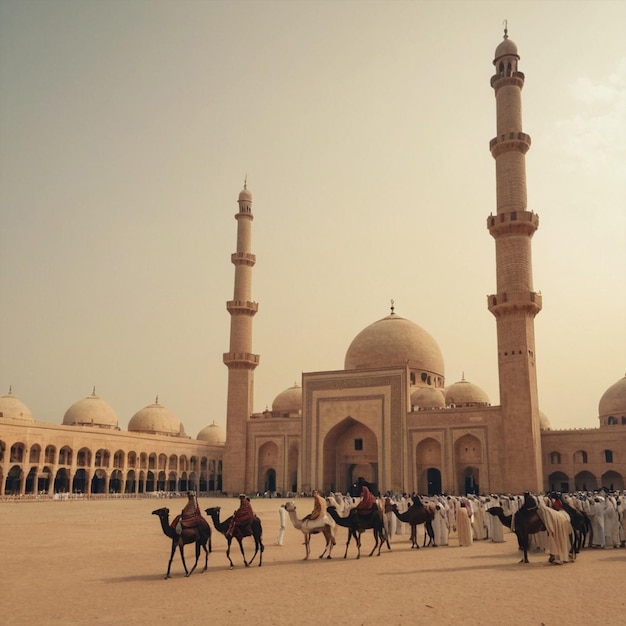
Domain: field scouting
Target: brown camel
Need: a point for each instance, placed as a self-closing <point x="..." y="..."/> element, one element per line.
<point x="357" y="523"/>
<point x="308" y="528"/>
<point x="253" y="529"/>
<point x="199" y="534"/>
<point x="525" y="523"/>
<point x="415" y="515"/>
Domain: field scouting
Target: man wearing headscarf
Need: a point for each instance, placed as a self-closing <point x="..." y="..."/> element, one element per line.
<point x="368" y="500"/>
<point x="242" y="516"/>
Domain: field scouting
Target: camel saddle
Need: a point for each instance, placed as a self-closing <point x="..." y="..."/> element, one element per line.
<point x="180" y="522"/>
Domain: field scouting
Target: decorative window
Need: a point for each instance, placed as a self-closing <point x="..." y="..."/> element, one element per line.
<point x="555" y="458"/>
<point x="358" y="444"/>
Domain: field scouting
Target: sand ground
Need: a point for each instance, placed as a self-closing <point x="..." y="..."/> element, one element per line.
<point x="102" y="562"/>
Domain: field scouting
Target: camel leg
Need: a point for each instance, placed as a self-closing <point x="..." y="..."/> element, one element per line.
<point x="181" y="547"/>
<point x="169" y="565"/>
<point x="197" y="557"/>
<point x="307" y="545"/>
<point x="261" y="549"/>
<point x="243" y="554"/>
<point x="228" y="553"/>
<point x="206" y="558"/>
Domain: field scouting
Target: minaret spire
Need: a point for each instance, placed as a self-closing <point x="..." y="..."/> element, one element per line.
<point x="516" y="303"/>
<point x="239" y="360"/>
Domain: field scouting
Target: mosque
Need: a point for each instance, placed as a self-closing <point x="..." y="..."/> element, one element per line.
<point x="387" y="418"/>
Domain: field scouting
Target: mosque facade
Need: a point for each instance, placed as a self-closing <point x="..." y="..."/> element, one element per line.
<point x="387" y="418"/>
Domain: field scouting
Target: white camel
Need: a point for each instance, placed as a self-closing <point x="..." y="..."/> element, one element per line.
<point x="324" y="525"/>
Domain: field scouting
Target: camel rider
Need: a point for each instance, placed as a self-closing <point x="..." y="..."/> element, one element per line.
<point x="529" y="502"/>
<point x="367" y="503"/>
<point x="190" y="514"/>
<point x="242" y="517"/>
<point x="319" y="507"/>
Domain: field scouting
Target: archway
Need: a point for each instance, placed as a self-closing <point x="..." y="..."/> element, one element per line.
<point x="585" y="481"/>
<point x="270" y="481"/>
<point x="468" y="462"/>
<point x="613" y="481"/>
<point x="427" y="460"/>
<point x="12" y="483"/>
<point x="350" y="452"/>
<point x="558" y="481"/>
<point x="98" y="482"/>
<point x="80" y="482"/>
<point x="62" y="481"/>
<point x="433" y="482"/>
<point x="268" y="461"/>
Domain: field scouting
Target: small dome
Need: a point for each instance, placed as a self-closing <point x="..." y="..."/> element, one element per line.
<point x="613" y="400"/>
<point x="428" y="398"/>
<point x="90" y="411"/>
<point x="155" y="419"/>
<point x="466" y="394"/>
<point x="245" y="195"/>
<point x="506" y="48"/>
<point x="13" y="408"/>
<point x="212" y="434"/>
<point x="544" y="422"/>
<point x="288" y="401"/>
<point x="392" y="342"/>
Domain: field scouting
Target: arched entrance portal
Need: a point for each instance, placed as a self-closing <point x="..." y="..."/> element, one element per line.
<point x="350" y="454"/>
<point x="270" y="480"/>
<point x="469" y="462"/>
<point x="433" y="481"/>
<point x="269" y="460"/>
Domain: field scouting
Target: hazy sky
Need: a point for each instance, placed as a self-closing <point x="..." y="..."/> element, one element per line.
<point x="126" y="132"/>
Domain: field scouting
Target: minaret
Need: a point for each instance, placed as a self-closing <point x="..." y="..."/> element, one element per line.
<point x="239" y="359"/>
<point x="516" y="303"/>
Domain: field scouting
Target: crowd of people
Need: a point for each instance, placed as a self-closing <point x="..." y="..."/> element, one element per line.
<point x="461" y="520"/>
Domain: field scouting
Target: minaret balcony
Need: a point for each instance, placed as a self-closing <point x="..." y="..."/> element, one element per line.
<point x="507" y="301"/>
<point x="241" y="360"/>
<point x="242" y="307"/>
<point x="243" y="258"/>
<point x="509" y="142"/>
<point x="507" y="78"/>
<point x="513" y="222"/>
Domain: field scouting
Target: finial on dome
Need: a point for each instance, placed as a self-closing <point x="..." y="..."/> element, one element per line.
<point x="10" y="389"/>
<point x="93" y="391"/>
<point x="245" y="182"/>
<point x="392" y="307"/>
<point x="156" y="400"/>
<point x="506" y="30"/>
<point x="462" y="376"/>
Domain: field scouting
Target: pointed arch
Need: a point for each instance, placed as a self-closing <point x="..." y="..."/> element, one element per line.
<point x="350" y="452"/>
<point x="268" y="461"/>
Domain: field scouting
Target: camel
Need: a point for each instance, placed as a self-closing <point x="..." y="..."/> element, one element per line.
<point x="357" y="523"/>
<point x="526" y="522"/>
<point x="254" y="530"/>
<point x="309" y="528"/>
<point x="415" y="515"/>
<point x="581" y="525"/>
<point x="200" y="535"/>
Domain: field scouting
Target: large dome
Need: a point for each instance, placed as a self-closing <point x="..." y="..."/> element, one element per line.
<point x="155" y="419"/>
<point x="392" y="342"/>
<point x="212" y="434"/>
<point x="13" y="408"/>
<point x="288" y="401"/>
<point x="466" y="394"/>
<point x="613" y="401"/>
<point x="91" y="411"/>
